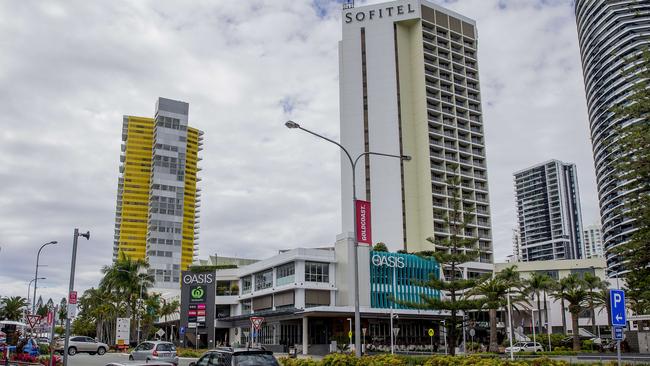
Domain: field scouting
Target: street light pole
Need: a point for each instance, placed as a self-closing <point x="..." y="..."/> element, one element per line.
<point x="355" y="256"/>
<point x="36" y="274"/>
<point x="29" y="289"/>
<point x="70" y="289"/>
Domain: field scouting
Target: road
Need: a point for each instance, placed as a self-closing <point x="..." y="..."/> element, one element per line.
<point x="88" y="360"/>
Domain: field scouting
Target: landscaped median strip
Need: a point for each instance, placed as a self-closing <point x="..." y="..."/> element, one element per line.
<point x="339" y="359"/>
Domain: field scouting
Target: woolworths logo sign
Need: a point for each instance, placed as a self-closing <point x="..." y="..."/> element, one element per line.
<point x="197" y="293"/>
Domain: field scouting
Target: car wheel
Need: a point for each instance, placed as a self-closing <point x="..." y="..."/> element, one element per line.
<point x="101" y="351"/>
<point x="72" y="351"/>
<point x="131" y="358"/>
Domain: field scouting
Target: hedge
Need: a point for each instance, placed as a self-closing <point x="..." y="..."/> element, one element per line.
<point x="339" y="359"/>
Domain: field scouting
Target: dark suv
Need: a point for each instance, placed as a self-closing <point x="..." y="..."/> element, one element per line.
<point x="237" y="357"/>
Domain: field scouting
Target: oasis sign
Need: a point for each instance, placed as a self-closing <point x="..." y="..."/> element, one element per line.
<point x="198" y="278"/>
<point x="388" y="11"/>
<point x="388" y="261"/>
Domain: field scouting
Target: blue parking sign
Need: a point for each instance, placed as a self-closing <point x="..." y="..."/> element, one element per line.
<point x="181" y="330"/>
<point x="617" y="304"/>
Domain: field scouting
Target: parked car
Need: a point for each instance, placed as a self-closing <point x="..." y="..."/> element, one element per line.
<point x="137" y="363"/>
<point x="237" y="357"/>
<point x="81" y="344"/>
<point x="155" y="350"/>
<point x="526" y="347"/>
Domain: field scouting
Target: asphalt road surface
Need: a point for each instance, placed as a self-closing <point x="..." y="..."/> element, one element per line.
<point x="82" y="359"/>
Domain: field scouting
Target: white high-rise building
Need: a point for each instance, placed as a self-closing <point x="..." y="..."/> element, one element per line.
<point x="409" y="86"/>
<point x="593" y="238"/>
<point x="548" y="209"/>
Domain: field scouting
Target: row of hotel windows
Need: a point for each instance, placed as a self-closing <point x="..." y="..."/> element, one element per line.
<point x="314" y="272"/>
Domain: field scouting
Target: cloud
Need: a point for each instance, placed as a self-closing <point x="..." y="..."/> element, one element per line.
<point x="69" y="70"/>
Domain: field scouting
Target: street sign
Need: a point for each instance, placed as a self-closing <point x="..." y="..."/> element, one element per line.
<point x="257" y="322"/>
<point x="160" y="333"/>
<point x="122" y="331"/>
<point x="33" y="320"/>
<point x="50" y="317"/>
<point x="395" y="331"/>
<point x="472" y="332"/>
<point x="617" y="304"/>
<point x="350" y="334"/>
<point x="72" y="299"/>
<point x="363" y="330"/>
<point x="618" y="334"/>
<point x="181" y="331"/>
<point x="431" y="332"/>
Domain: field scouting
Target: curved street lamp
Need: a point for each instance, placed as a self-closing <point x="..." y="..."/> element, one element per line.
<point x="29" y="287"/>
<point x="36" y="274"/>
<point x="353" y="164"/>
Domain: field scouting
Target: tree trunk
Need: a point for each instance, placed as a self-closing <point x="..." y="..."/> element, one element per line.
<point x="451" y="334"/>
<point x="549" y="328"/>
<point x="494" y="345"/>
<point x="576" y="332"/>
<point x="539" y="314"/>
<point x="563" y="316"/>
<point x="593" y="316"/>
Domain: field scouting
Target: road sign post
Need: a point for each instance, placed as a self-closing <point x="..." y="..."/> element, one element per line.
<point x="431" y="334"/>
<point x="618" y="318"/>
<point x="256" y="322"/>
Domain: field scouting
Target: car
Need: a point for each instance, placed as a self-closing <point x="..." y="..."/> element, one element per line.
<point x="237" y="357"/>
<point x="155" y="350"/>
<point x="136" y="363"/>
<point x="526" y="347"/>
<point x="81" y="344"/>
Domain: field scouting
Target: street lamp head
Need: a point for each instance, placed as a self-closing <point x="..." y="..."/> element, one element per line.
<point x="292" y="124"/>
<point x="406" y="157"/>
<point x="86" y="235"/>
<point x="53" y="242"/>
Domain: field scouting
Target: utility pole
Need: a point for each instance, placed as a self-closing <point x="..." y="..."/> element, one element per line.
<point x="70" y="289"/>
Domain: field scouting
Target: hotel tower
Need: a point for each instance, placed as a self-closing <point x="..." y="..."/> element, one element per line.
<point x="409" y="85"/>
<point x="157" y="210"/>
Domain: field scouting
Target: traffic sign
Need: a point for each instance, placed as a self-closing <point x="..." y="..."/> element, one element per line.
<point x="350" y="334"/>
<point x="72" y="299"/>
<point x="33" y="320"/>
<point x="617" y="304"/>
<point x="431" y="332"/>
<point x="181" y="331"/>
<point x="618" y="334"/>
<point x="472" y="332"/>
<point x="257" y="322"/>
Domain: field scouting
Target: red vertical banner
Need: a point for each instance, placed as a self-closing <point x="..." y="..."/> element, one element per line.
<point x="364" y="230"/>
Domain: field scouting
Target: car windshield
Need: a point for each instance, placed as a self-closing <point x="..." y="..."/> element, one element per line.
<point x="165" y="347"/>
<point x="252" y="359"/>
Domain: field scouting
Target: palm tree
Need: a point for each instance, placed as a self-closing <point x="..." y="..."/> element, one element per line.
<point x="537" y="283"/>
<point x="557" y="292"/>
<point x="575" y="293"/>
<point x="125" y="279"/>
<point x="493" y="293"/>
<point x="594" y="285"/>
<point x="12" y="307"/>
<point x="168" y="309"/>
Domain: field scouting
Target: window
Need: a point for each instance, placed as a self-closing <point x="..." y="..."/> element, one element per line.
<point x="317" y="272"/>
<point x="246" y="306"/>
<point x="246" y="284"/>
<point x="264" y="280"/>
<point x="285" y="274"/>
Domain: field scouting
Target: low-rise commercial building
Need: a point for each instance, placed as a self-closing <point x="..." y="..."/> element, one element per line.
<point x="306" y="297"/>
<point x="551" y="308"/>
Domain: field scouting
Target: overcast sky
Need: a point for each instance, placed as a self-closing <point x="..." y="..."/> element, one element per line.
<point x="69" y="71"/>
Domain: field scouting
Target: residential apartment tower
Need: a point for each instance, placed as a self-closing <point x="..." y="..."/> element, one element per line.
<point x="609" y="33"/>
<point x="548" y="210"/>
<point x="157" y="200"/>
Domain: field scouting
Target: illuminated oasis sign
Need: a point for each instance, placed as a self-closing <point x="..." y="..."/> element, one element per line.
<point x="388" y="261"/>
<point x="388" y="11"/>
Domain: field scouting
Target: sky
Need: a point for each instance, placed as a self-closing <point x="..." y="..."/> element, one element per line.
<point x="69" y="71"/>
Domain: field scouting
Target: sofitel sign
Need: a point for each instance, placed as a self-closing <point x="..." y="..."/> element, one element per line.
<point x="388" y="11"/>
<point x="198" y="278"/>
<point x="388" y="261"/>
